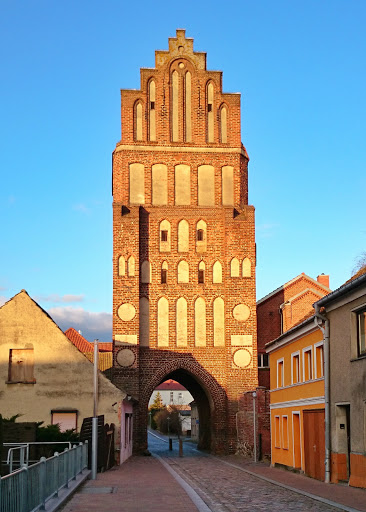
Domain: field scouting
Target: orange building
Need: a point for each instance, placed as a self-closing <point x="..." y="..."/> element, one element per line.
<point x="280" y="310"/>
<point x="297" y="399"/>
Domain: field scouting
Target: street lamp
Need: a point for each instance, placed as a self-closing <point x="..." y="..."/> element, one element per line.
<point x="170" y="441"/>
<point x="95" y="414"/>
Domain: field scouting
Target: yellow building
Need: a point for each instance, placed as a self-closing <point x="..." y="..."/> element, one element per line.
<point x="297" y="399"/>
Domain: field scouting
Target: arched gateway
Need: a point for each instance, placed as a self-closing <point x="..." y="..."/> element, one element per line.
<point x="183" y="308"/>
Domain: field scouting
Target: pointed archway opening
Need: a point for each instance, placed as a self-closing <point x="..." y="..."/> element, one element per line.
<point x="202" y="405"/>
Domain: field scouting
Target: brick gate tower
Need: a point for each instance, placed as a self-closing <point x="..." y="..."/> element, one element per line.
<point x="183" y="244"/>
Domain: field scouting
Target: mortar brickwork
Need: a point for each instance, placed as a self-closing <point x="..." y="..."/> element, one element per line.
<point x="285" y="307"/>
<point x="215" y="375"/>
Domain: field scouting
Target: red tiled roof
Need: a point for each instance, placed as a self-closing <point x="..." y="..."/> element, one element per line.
<point x="171" y="385"/>
<point x="84" y="345"/>
<point x="359" y="273"/>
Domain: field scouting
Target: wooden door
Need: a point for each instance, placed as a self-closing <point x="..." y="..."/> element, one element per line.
<point x="314" y="443"/>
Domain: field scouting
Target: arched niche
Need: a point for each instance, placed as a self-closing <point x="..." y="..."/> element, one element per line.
<point x="200" y="322"/>
<point x="121" y="266"/>
<point x="152" y="110"/>
<point x="183" y="236"/>
<point x="138" y="120"/>
<point x="219" y="322"/>
<point x="131" y="266"/>
<point x="217" y="272"/>
<point x="181" y="322"/>
<point x="163" y="322"/>
<point x="175" y="107"/>
<point x="165" y="236"/>
<point x="206" y="185"/>
<point x="159" y="179"/>
<point x="246" y="268"/>
<point x="227" y="174"/>
<point x="223" y="124"/>
<point x="234" y="267"/>
<point x="188" y="106"/>
<point x="183" y="272"/>
<point x="182" y="185"/>
<point x="210" y="111"/>
<point x="201" y="236"/>
<point x="137" y="183"/>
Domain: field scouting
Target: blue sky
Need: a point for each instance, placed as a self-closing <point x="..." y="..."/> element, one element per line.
<point x="301" y="69"/>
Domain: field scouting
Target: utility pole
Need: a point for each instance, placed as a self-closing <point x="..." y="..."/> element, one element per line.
<point x="95" y="415"/>
<point x="254" y="427"/>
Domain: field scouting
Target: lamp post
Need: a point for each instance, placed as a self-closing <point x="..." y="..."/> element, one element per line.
<point x="95" y="414"/>
<point x="170" y="441"/>
<point x="254" y="394"/>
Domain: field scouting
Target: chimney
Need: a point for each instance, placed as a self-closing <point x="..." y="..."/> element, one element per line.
<point x="323" y="279"/>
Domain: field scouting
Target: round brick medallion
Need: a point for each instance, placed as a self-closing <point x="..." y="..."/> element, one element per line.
<point x="241" y="312"/>
<point x="181" y="65"/>
<point x="125" y="357"/>
<point x="126" y="312"/>
<point x="242" y="358"/>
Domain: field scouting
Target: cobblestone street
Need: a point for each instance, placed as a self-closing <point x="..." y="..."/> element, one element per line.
<point x="166" y="482"/>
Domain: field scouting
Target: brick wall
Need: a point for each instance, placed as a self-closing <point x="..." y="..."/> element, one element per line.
<point x="210" y="373"/>
<point x="245" y="422"/>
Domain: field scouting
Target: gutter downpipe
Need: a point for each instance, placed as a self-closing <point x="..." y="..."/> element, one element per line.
<point x="325" y="330"/>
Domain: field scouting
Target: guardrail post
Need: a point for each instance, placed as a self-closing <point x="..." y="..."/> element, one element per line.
<point x="81" y="457"/>
<point x="66" y="467"/>
<point x="74" y="462"/>
<point x="86" y="455"/>
<point x="24" y="504"/>
<point x="56" y="454"/>
<point x="42" y="483"/>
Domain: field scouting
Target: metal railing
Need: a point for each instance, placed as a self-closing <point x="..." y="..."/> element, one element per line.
<point x="24" y="452"/>
<point x="29" y="488"/>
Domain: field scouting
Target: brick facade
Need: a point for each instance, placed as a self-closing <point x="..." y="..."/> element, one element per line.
<point x="181" y="121"/>
<point x="285" y="307"/>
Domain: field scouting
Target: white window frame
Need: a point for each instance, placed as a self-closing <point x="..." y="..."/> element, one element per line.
<point x="297" y="413"/>
<point x="304" y="351"/>
<point x="317" y="345"/>
<point x="293" y="355"/>
<point x="282" y="431"/>
<point x="279" y="433"/>
<point x="279" y="361"/>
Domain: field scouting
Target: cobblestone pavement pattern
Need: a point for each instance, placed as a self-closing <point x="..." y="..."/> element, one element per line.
<point x="227" y="489"/>
<point x="144" y="484"/>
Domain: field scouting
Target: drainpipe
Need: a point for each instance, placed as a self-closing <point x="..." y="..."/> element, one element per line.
<point x="325" y="330"/>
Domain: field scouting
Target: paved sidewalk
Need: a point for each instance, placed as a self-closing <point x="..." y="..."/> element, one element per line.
<point x="344" y="495"/>
<point x="140" y="484"/>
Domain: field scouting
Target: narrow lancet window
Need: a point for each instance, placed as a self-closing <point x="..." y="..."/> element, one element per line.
<point x="223" y="124"/>
<point x="138" y="121"/>
<point x="151" y="108"/>
<point x="188" y="107"/>
<point x="175" y="106"/>
<point x="210" y="112"/>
